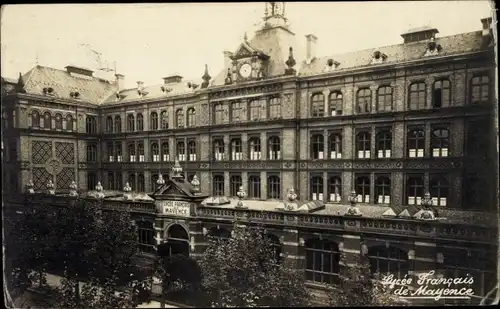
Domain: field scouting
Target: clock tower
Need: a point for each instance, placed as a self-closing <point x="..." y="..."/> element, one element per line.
<point x="248" y="63"/>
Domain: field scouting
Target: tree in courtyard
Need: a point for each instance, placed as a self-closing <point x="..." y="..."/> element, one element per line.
<point x="244" y="271"/>
<point x="359" y="288"/>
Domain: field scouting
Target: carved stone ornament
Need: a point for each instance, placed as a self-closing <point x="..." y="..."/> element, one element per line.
<point x="29" y="187"/>
<point x="50" y="188"/>
<point x="73" y="189"/>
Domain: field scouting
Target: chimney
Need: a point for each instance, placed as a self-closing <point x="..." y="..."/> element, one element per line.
<point x="311" y="47"/>
<point x="486" y="25"/>
<point x="172" y="79"/>
<point x="79" y="71"/>
<point x="120" y="82"/>
<point x="227" y="59"/>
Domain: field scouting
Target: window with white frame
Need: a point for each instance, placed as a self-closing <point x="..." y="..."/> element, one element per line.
<point x="317" y="146"/>
<point x="110" y="149"/>
<point x="383" y="190"/>
<point x="416" y="143"/>
<point x="439" y="189"/>
<point x="440" y="142"/>
<point x="363" y="189"/>
<point x="274" y="148"/>
<point x="254" y="148"/>
<point x="384" y="144"/>
<point x="336" y="101"/>
<point x="414" y="189"/>
<point x="191" y="150"/>
<point x="181" y="151"/>
<point x="131" y="152"/>
<point x="363" y="143"/>
<point x="165" y="151"/>
<point x="155" y="152"/>
<point x="335" y="145"/>
<point x="140" y="152"/>
<point x="334" y="189"/>
<point x="317" y="188"/>
<point x="219" y="149"/>
<point x="236" y="149"/>
<point x="118" y="152"/>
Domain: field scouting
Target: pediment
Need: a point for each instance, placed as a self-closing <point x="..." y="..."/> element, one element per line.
<point x="244" y="51"/>
<point x="172" y="190"/>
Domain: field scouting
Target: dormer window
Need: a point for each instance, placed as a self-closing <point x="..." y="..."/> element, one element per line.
<point x="331" y="65"/>
<point x="378" y="57"/>
<point x="432" y="48"/>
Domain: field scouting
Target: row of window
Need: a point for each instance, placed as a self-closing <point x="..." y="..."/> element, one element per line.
<point x="47" y="121"/>
<point x="417" y="97"/>
<point x="258" y="109"/>
<point x="136" y="122"/>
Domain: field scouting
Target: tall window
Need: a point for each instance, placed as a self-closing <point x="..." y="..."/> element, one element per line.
<point x="69" y="122"/>
<point x="322" y="261"/>
<point x="384" y="99"/>
<point x="140" y="151"/>
<point x="363" y="143"/>
<point x="191" y="150"/>
<point x="91" y="153"/>
<point x="274" y="148"/>
<point x="273" y="187"/>
<point x="255" y="110"/>
<point x="417" y="99"/>
<point x="441" y="94"/>
<point x="165" y="152"/>
<point x="145" y="235"/>
<point x="109" y="124"/>
<point x="386" y="261"/>
<point x="153" y="121"/>
<point x="118" y="152"/>
<point x="317" y="188"/>
<point x="181" y="151"/>
<point x="336" y="101"/>
<point x="155" y="152"/>
<point x="335" y="145"/>
<point x="118" y="181"/>
<point x="179" y="115"/>
<point x="318" y="105"/>
<point x="318" y="146"/>
<point x="383" y="190"/>
<point x="111" y="151"/>
<point x="164" y="120"/>
<point x="131" y="152"/>
<point x="480" y="89"/>
<point x="363" y="189"/>
<point x="364" y="101"/>
<point x="140" y="183"/>
<point x="35" y="119"/>
<point x="384" y="144"/>
<point x="254" y="148"/>
<point x="439" y="189"/>
<point x="47" y="120"/>
<point x="91" y="180"/>
<point x="236" y="183"/>
<point x="416" y="143"/>
<point x="111" y="181"/>
<point x="191" y="117"/>
<point x="236" y="149"/>
<point x="59" y="122"/>
<point x="275" y="108"/>
<point x="236" y="111"/>
<point x="130" y="123"/>
<point x="218" y="188"/>
<point x="254" y="186"/>
<point x="118" y="124"/>
<point x="334" y="189"/>
<point x="414" y="189"/>
<point x="440" y="142"/>
<point x="218" y="113"/>
<point x="91" y="124"/>
<point x="131" y="181"/>
<point x="218" y="149"/>
<point x="140" y="122"/>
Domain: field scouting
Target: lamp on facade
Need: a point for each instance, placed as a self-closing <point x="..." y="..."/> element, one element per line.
<point x="73" y="187"/>
<point x="30" y="187"/>
<point x="126" y="192"/>
<point x="50" y="188"/>
<point x="241" y="195"/>
<point x="196" y="184"/>
<point x="353" y="209"/>
<point x="99" y="189"/>
<point x="160" y="182"/>
<point x="176" y="170"/>
<point x="427" y="213"/>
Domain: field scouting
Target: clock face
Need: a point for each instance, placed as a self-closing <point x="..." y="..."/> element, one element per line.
<point x="245" y="70"/>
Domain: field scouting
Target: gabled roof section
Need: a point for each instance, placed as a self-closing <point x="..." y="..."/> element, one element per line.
<point x="175" y="189"/>
<point x="244" y="50"/>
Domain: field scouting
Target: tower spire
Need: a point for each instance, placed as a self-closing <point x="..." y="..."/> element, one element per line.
<point x="274" y="14"/>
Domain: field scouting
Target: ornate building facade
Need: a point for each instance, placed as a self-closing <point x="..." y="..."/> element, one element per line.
<point x="288" y="127"/>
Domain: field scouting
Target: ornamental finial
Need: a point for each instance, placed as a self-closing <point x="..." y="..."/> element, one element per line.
<point x="196" y="184"/>
<point x="73" y="187"/>
<point x="50" y="188"/>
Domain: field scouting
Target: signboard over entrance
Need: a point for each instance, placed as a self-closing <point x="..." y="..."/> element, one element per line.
<point x="175" y="208"/>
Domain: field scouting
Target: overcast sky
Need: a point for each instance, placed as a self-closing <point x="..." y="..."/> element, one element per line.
<point x="150" y="41"/>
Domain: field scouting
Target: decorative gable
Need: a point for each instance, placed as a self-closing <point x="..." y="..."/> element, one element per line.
<point x="244" y="51"/>
<point x="171" y="189"/>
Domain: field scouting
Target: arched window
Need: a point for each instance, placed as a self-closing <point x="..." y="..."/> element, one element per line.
<point x="146" y="232"/>
<point x="334" y="189"/>
<point x="165" y="151"/>
<point x="414" y="189"/>
<point x="69" y="122"/>
<point x="440" y="142"/>
<point x="317" y="146"/>
<point x="254" y="186"/>
<point x="416" y="143"/>
<point x="179" y="115"/>
<point x="388" y="260"/>
<point x="364" y="101"/>
<point x="118" y="124"/>
<point x="322" y="261"/>
<point x="47" y="120"/>
<point x="155" y="152"/>
<point x="140" y="183"/>
<point x="255" y="110"/>
<point x="140" y="151"/>
<point x="317" y="105"/>
<point x="192" y="150"/>
<point x="384" y="144"/>
<point x="91" y="124"/>
<point x="131" y="181"/>
<point x="273" y="187"/>
<point x="164" y="120"/>
<point x="191" y="117"/>
<point x="441" y="94"/>
<point x="140" y="122"/>
<point x="274" y="148"/>
<point x="118" y="152"/>
<point x="218" y="188"/>
<point x="439" y="189"/>
<point x="383" y="190"/>
<point x="480" y="89"/>
<point x="363" y="189"/>
<point x="236" y="112"/>
<point x="235" y="184"/>
<point x="363" y="145"/>
<point x="219" y="113"/>
<point x="218" y="149"/>
<point x="109" y="124"/>
<point x="236" y="149"/>
<point x="91" y="153"/>
<point x="335" y="145"/>
<point x="384" y="99"/>
<point x="110" y="150"/>
<point x="130" y="123"/>
<point x="317" y="188"/>
<point x="336" y="101"/>
<point x="418" y="96"/>
<point x="35" y="119"/>
<point x="254" y="148"/>
<point x="59" y="121"/>
<point x="153" y="121"/>
<point x="131" y="152"/>
<point x="275" y="107"/>
<point x="181" y="151"/>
